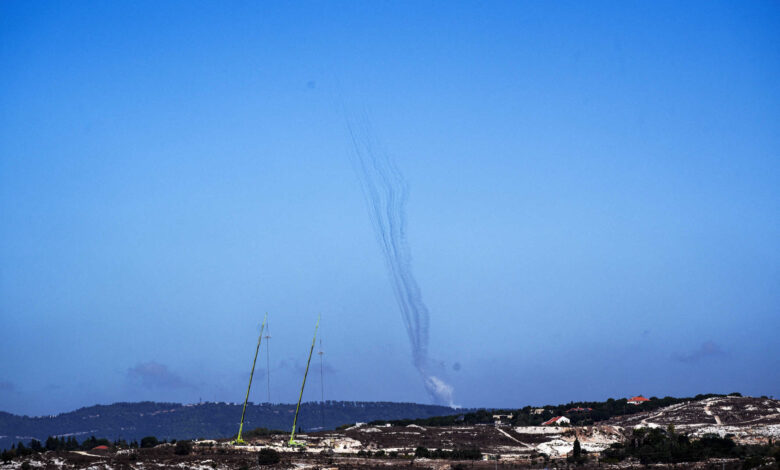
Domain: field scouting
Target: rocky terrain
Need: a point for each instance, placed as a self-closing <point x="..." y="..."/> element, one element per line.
<point x="748" y="421"/>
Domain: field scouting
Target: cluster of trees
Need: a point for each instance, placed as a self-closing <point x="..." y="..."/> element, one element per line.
<point x="456" y="454"/>
<point x="21" y="450"/>
<point x="379" y="453"/>
<point x="666" y="446"/>
<point x="423" y="452"/>
<point x="70" y="443"/>
<point x="52" y="444"/>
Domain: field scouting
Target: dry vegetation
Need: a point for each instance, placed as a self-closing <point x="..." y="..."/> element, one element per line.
<point x="743" y="420"/>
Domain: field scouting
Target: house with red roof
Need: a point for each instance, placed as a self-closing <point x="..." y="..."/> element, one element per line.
<point x="557" y="421"/>
<point x="638" y="400"/>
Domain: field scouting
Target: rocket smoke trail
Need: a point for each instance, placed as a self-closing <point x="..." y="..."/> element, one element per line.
<point x="385" y="191"/>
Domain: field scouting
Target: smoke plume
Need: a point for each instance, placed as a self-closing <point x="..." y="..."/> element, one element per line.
<point x="385" y="191"/>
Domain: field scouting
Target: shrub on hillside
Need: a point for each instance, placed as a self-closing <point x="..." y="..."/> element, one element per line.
<point x="182" y="448"/>
<point x="268" y="456"/>
<point x="422" y="452"/>
<point x="149" y="441"/>
<point x="7" y="455"/>
<point x="456" y="454"/>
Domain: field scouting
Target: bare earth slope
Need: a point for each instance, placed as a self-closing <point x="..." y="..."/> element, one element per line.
<point x="750" y="420"/>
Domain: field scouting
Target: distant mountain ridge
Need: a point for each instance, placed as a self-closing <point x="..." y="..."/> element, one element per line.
<point x="213" y="420"/>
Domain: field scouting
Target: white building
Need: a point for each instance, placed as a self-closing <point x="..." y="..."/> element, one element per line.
<point x="557" y="421"/>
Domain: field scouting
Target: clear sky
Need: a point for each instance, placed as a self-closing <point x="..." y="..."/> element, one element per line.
<point x="593" y="211"/>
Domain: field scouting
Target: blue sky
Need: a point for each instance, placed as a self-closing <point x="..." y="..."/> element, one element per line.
<point x="593" y="206"/>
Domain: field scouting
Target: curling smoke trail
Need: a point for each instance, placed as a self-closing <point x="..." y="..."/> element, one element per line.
<point x="385" y="191"/>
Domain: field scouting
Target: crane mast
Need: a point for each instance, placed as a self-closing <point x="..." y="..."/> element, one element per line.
<point x="292" y="441"/>
<point x="239" y="440"/>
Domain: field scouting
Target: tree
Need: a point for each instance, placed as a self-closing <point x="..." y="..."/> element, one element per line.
<point x="466" y="454"/>
<point x="8" y="455"/>
<point x="422" y="452"/>
<point x="92" y="442"/>
<point x="182" y="448"/>
<point x="21" y="450"/>
<point x="268" y="456"/>
<point x="577" y="454"/>
<point x="36" y="446"/>
<point x="149" y="441"/>
<point x="89" y="443"/>
<point x="52" y="443"/>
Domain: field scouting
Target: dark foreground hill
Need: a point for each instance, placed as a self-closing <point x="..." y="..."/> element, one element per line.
<point x="132" y="421"/>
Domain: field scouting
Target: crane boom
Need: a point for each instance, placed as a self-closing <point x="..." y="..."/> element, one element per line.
<point x="300" y="397"/>
<point x="239" y="440"/>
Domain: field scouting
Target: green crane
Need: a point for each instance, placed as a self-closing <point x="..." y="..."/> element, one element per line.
<point x="293" y="442"/>
<point x="239" y="440"/>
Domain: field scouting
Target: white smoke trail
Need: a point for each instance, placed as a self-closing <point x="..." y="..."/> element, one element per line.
<point x="385" y="191"/>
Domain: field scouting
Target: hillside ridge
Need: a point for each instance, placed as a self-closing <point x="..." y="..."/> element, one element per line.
<point x="168" y="420"/>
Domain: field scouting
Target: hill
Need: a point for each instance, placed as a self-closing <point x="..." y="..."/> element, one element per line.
<point x="729" y="432"/>
<point x="579" y="413"/>
<point x="747" y="419"/>
<point x="132" y="421"/>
